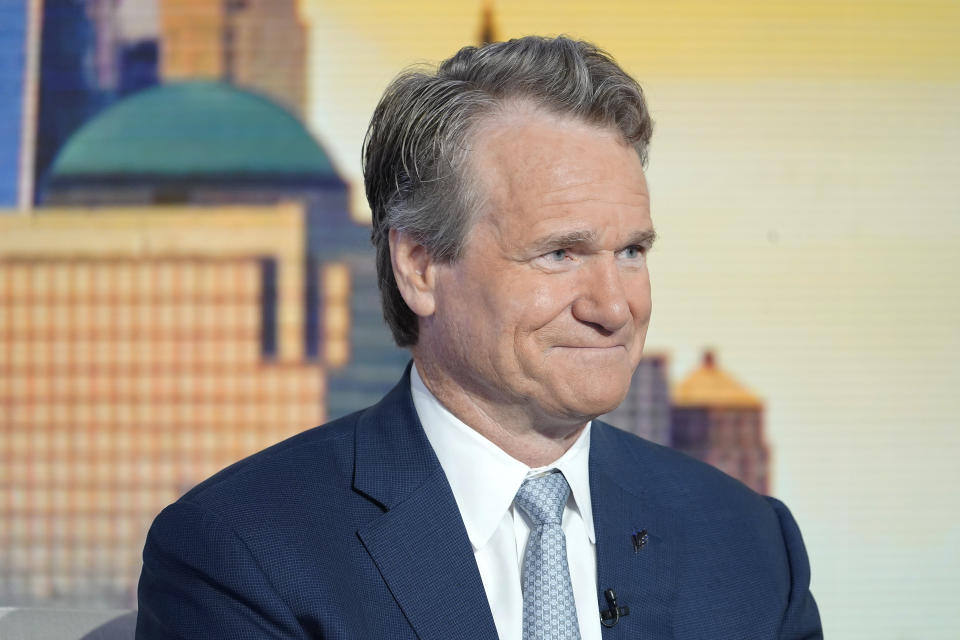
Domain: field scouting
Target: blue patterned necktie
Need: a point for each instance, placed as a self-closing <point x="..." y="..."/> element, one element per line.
<point x="549" y="610"/>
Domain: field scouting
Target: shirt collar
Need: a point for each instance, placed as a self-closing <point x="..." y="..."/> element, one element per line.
<point x="483" y="477"/>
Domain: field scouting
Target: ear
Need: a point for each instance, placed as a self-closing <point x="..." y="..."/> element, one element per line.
<point x="415" y="272"/>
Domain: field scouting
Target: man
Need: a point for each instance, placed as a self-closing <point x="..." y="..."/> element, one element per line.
<point x="479" y="499"/>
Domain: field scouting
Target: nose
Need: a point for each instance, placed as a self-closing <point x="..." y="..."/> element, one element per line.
<point x="603" y="299"/>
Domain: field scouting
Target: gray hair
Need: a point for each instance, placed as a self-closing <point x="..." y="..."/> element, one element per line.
<point x="416" y="145"/>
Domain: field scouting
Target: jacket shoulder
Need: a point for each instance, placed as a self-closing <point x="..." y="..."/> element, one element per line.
<point x="677" y="478"/>
<point x="322" y="455"/>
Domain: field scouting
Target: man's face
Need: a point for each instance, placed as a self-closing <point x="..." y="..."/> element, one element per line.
<point x="547" y="310"/>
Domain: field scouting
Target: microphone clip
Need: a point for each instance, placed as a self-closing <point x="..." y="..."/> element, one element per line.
<point x="610" y="617"/>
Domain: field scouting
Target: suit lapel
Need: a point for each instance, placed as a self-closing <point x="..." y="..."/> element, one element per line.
<point x="419" y="544"/>
<point x="644" y="580"/>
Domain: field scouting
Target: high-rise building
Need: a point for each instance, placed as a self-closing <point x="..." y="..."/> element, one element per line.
<point x="256" y="44"/>
<point x="141" y="350"/>
<point x="646" y="409"/>
<point x="718" y="420"/>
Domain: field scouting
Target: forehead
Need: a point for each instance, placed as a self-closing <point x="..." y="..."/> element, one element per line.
<point x="540" y="171"/>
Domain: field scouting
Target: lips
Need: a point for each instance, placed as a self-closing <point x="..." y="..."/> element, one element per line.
<point x="585" y="347"/>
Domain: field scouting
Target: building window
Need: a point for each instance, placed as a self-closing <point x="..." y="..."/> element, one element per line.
<point x="336" y="314"/>
<point x="311" y="299"/>
<point x="268" y="308"/>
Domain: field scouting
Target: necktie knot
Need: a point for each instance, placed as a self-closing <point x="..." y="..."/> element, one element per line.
<point x="542" y="498"/>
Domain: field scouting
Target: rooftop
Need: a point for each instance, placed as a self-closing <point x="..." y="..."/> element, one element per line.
<point x="194" y="130"/>
<point x="711" y="386"/>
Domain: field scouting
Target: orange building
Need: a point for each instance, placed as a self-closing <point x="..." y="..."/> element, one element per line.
<point x="719" y="421"/>
<point x="256" y="44"/>
<point x="141" y="350"/>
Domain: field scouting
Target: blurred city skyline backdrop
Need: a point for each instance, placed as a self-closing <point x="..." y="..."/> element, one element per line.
<point x="185" y="274"/>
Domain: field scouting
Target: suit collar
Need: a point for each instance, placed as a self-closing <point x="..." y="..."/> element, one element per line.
<point x="392" y="456"/>
<point x="419" y="544"/>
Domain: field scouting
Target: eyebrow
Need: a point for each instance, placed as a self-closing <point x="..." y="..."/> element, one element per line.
<point x="644" y="238"/>
<point x="556" y="241"/>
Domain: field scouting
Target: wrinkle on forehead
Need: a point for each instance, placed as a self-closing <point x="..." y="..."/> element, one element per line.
<point x="494" y="139"/>
<point x="626" y="201"/>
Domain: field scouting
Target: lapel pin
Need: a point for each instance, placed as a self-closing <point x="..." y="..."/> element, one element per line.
<point x="640" y="539"/>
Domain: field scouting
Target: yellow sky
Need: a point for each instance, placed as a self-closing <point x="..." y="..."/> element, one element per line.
<point x="356" y="47"/>
<point x="852" y="38"/>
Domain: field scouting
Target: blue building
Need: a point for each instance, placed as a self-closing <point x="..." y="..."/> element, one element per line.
<point x="68" y="93"/>
<point x="14" y="16"/>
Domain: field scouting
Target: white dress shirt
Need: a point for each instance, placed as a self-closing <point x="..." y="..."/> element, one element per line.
<point x="484" y="480"/>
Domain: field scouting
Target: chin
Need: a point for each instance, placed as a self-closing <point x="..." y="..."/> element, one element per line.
<point x="581" y="390"/>
<point x="600" y="408"/>
<point x="589" y="403"/>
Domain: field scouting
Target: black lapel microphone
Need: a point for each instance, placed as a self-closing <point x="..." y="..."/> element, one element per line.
<point x="610" y="617"/>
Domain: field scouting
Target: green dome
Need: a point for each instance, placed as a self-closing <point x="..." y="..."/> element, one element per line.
<point x="193" y="130"/>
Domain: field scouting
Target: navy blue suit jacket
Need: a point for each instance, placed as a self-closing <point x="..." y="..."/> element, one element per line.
<point x="350" y="530"/>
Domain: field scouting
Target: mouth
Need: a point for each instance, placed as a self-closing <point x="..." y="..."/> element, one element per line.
<point x="594" y="348"/>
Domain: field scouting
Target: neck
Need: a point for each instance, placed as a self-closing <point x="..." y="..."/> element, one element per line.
<point x="533" y="440"/>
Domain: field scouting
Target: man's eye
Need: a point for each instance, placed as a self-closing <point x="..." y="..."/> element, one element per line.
<point x="632" y="253"/>
<point x="558" y="255"/>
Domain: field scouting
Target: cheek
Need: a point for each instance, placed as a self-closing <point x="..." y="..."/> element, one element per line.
<point x="640" y="308"/>
<point x="537" y="318"/>
<point x="639" y="298"/>
<point x="535" y="305"/>
<point x="482" y="314"/>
